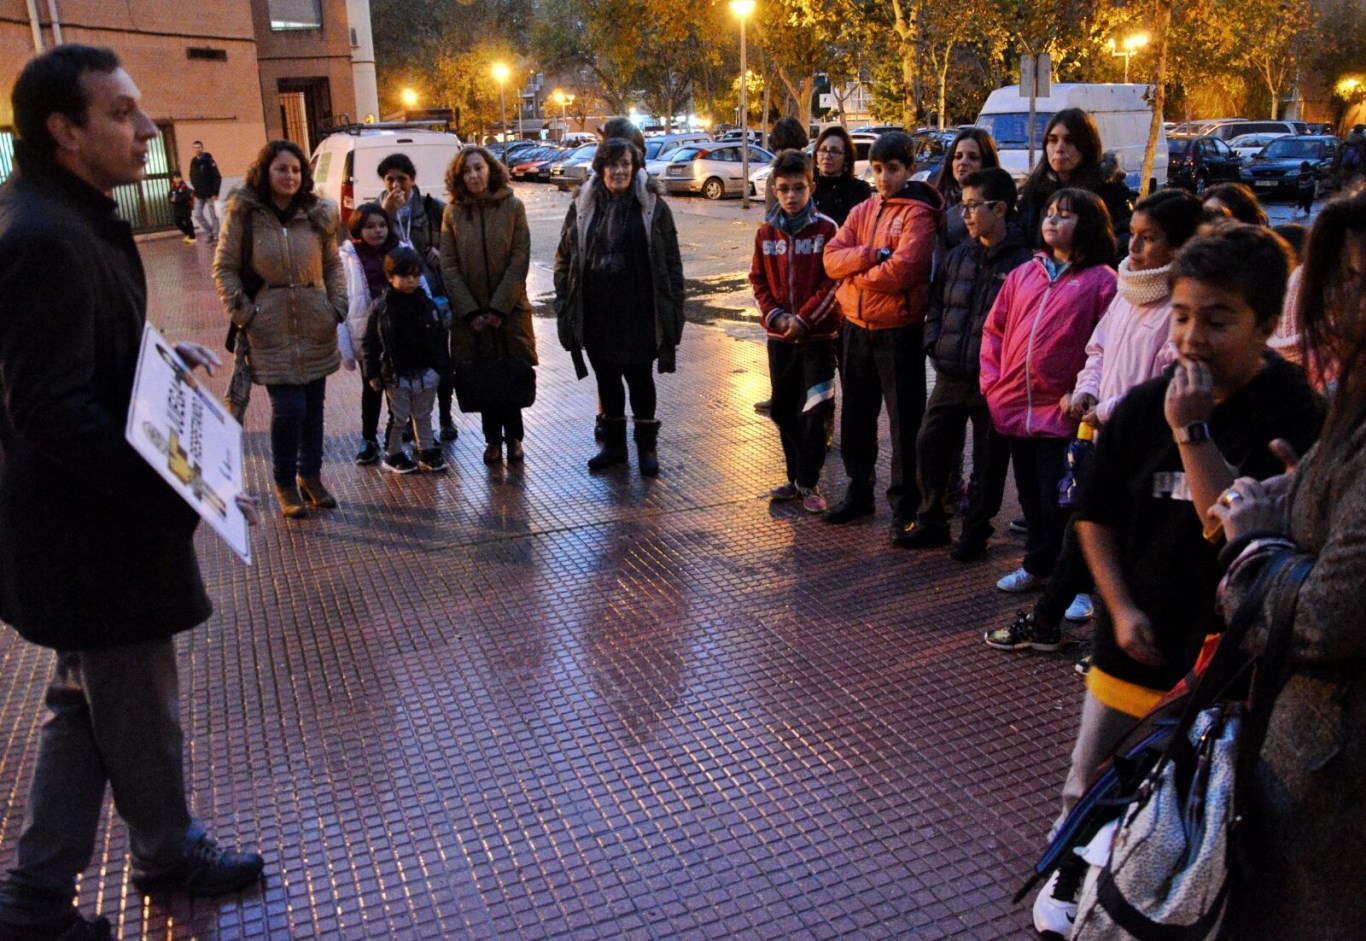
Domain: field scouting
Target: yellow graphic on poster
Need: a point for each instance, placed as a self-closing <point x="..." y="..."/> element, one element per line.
<point x="184" y="433"/>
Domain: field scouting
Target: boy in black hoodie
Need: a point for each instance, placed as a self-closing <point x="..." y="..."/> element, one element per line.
<point x="405" y="356"/>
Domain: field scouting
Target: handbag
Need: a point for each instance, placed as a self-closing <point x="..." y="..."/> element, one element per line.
<point x="1169" y="866"/>
<point x="251" y="281"/>
<point x="497" y="382"/>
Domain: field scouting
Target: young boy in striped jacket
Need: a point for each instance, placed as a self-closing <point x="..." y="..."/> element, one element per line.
<point x="797" y="307"/>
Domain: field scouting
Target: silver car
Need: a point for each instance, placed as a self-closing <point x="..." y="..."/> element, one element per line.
<point x="714" y="170"/>
<point x="573" y="169"/>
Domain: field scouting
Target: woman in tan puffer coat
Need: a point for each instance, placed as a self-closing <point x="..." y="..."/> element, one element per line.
<point x="290" y="320"/>
<point x="485" y="255"/>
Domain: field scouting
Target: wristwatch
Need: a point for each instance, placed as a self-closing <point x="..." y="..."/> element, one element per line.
<point x="1194" y="433"/>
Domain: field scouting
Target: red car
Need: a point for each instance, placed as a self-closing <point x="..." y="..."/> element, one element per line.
<point x="529" y="163"/>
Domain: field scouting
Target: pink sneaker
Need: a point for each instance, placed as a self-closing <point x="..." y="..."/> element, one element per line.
<point x="783" y="493"/>
<point x="813" y="501"/>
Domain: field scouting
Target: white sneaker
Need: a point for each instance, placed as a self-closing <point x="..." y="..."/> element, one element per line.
<point x="1054" y="915"/>
<point x="1021" y="581"/>
<point x="1081" y="609"/>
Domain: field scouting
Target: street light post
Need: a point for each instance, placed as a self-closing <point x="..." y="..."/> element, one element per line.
<point x="500" y="72"/>
<point x="1131" y="45"/>
<point x="742" y="9"/>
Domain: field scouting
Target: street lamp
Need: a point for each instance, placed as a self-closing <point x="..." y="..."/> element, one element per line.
<point x="564" y="101"/>
<point x="409" y="98"/>
<point x="500" y="73"/>
<point x="1131" y="45"/>
<point x="742" y="9"/>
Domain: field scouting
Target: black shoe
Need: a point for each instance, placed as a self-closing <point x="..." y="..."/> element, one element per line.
<point x="448" y="430"/>
<point x="968" y="549"/>
<point x="369" y="453"/>
<point x="206" y="871"/>
<point x="431" y="461"/>
<point x="399" y="463"/>
<point x="920" y="536"/>
<point x="1023" y="633"/>
<point x="763" y="407"/>
<point x="853" y="506"/>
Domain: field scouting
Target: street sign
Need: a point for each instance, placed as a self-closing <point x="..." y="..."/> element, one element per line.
<point x="827" y="100"/>
<point x="1036" y="73"/>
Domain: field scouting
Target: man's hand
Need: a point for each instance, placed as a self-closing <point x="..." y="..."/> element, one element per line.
<point x="1134" y="634"/>
<point x="796" y="330"/>
<point x="197" y="354"/>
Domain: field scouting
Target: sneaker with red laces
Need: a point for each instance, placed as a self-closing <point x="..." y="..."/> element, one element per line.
<point x="812" y="500"/>
<point x="783" y="492"/>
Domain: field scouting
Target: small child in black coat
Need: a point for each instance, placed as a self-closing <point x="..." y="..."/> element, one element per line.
<point x="182" y="205"/>
<point x="1306" y="188"/>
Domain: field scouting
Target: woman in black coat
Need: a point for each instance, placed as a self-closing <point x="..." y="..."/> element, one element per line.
<point x="837" y="189"/>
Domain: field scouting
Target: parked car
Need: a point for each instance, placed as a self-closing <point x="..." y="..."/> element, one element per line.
<point x="572" y="169"/>
<point x="1248" y="146"/>
<point x="1274" y="172"/>
<point x="345" y="163"/>
<point x="755" y="136"/>
<point x="863" y="143"/>
<point x="1197" y="163"/>
<point x="714" y="170"/>
<point x="511" y="150"/>
<point x="528" y="163"/>
<point x="661" y="146"/>
<point x="931" y="147"/>
<point x="1196" y="128"/>
<point x="1231" y="129"/>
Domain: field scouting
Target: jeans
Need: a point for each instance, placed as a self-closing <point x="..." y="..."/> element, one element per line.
<point x="1038" y="468"/>
<point x="502" y="425"/>
<point x="803" y="382"/>
<point x="296" y="430"/>
<point x="883" y="366"/>
<point x="939" y="451"/>
<point x="411" y="399"/>
<point x="206" y="214"/>
<point x="114" y="718"/>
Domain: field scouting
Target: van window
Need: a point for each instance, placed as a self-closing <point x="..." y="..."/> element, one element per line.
<point x="321" y="164"/>
<point x="1010" y="130"/>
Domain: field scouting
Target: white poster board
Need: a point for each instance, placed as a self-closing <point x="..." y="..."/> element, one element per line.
<point x="187" y="436"/>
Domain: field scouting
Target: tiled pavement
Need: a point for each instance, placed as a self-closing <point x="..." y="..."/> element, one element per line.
<point x="535" y="703"/>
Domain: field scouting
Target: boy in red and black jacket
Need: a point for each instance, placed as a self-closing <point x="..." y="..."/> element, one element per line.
<point x="797" y="306"/>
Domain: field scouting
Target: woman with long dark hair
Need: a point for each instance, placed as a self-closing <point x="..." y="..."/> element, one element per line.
<point x="1302" y="836"/>
<point x="973" y="149"/>
<point x="290" y="319"/>
<point x="1072" y="157"/>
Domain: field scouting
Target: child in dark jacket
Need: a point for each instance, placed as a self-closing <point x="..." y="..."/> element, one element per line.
<point x="182" y="205"/>
<point x="1306" y="188"/>
<point x="797" y="306"/>
<point x="406" y="353"/>
<point x="961" y="296"/>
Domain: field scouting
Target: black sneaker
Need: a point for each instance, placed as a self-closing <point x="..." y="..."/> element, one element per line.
<point x="850" y="508"/>
<point x="968" y="549"/>
<point x="368" y="454"/>
<point x="207" y="871"/>
<point x="1022" y="634"/>
<point x="431" y="461"/>
<point x="920" y="536"/>
<point x="1083" y="666"/>
<point x="399" y="463"/>
<point x="448" y="430"/>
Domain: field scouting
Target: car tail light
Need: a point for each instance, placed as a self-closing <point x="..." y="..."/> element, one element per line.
<point x="348" y="201"/>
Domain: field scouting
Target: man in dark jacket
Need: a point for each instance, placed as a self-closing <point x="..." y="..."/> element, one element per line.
<point x="961" y="296"/>
<point x="206" y="181"/>
<point x="97" y="560"/>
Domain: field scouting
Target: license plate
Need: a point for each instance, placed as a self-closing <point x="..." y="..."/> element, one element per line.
<point x="1266" y="183"/>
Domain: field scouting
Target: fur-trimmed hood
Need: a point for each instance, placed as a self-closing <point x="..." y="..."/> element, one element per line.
<point x="320" y="212"/>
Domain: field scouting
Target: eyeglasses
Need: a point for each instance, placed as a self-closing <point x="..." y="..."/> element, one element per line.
<point x="974" y="207"/>
<point x="830" y="151"/>
<point x="782" y="189"/>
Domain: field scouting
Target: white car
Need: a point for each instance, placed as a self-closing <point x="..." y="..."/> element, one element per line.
<point x="1250" y="145"/>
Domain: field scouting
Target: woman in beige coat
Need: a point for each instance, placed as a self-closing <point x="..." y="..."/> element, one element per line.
<point x="288" y="299"/>
<point x="485" y="254"/>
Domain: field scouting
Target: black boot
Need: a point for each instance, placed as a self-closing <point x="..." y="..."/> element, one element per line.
<point x="613" y="444"/>
<point x="858" y="501"/>
<point x="647" y="434"/>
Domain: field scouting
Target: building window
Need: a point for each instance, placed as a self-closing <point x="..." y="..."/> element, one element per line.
<point x="295" y="14"/>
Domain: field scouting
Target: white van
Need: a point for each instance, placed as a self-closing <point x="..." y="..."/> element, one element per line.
<point x="346" y="163"/>
<point x="1121" y="112"/>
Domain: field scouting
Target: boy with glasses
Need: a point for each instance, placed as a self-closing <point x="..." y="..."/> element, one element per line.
<point x="961" y="296"/>
<point x="797" y="307"/>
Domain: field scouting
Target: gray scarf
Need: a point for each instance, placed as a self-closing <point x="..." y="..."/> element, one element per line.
<point x="606" y="250"/>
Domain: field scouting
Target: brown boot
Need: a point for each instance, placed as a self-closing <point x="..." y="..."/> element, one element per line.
<point x="316" y="494"/>
<point x="515" y="453"/>
<point x="291" y="503"/>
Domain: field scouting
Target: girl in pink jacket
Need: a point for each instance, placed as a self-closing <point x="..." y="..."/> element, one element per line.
<point x="1033" y="346"/>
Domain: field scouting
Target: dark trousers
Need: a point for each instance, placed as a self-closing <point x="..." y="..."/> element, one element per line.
<point x="1071" y="576"/>
<point x="370" y="401"/>
<point x="444" y="390"/>
<point x="638" y="379"/>
<point x="1038" y="468"/>
<point x="939" y="455"/>
<point x="296" y="430"/>
<point x="803" y="382"/>
<point x="883" y="366"/>
<point x="185" y="224"/>
<point x="501" y="425"/>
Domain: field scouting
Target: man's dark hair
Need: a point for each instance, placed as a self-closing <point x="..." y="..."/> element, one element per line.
<point x="995" y="185"/>
<point x="1250" y="261"/>
<point x="791" y="162"/>
<point x="51" y="84"/>
<point x="612" y="150"/>
<point x="787" y="134"/>
<point x="199" y="142"/>
<point x="397" y="162"/>
<point x="894" y="145"/>
<point x="1093" y="240"/>
<point x="626" y="129"/>
<point x="402" y="260"/>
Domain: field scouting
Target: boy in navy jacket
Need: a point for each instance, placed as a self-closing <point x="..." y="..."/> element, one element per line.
<point x="797" y="306"/>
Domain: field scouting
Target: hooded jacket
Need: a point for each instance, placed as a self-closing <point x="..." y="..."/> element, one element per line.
<point x="292" y="326"/>
<point x="1034" y="344"/>
<point x="788" y="276"/>
<point x="960" y="300"/>
<point x="485" y="257"/>
<point x="1106" y="181"/>
<point x="880" y="295"/>
<point x="666" y="269"/>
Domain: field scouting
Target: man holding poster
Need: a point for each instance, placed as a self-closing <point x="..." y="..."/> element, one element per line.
<point x="97" y="558"/>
